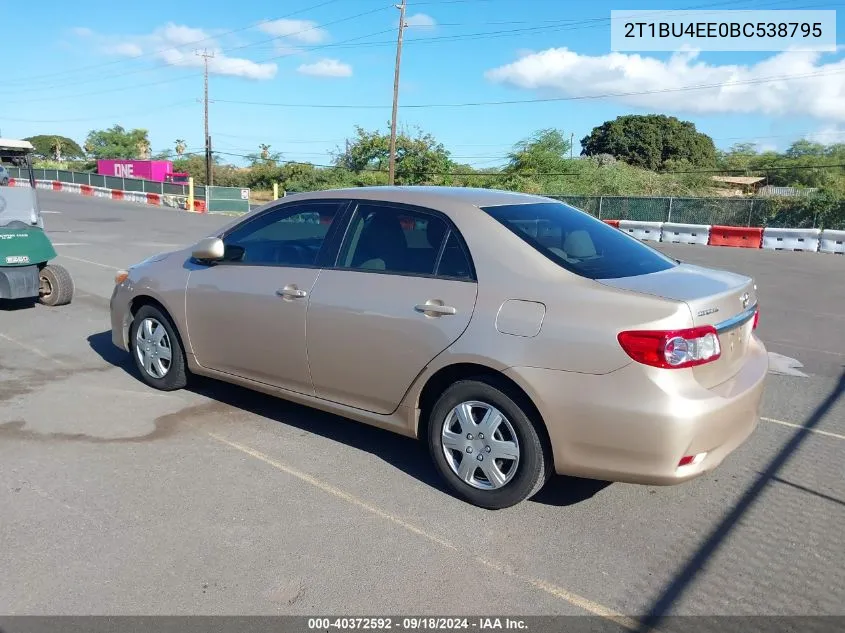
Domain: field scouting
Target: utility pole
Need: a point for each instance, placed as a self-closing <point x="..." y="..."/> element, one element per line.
<point x="402" y="25"/>
<point x="209" y="165"/>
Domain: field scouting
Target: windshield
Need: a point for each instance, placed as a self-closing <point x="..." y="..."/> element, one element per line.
<point x="579" y="242"/>
<point x="15" y="165"/>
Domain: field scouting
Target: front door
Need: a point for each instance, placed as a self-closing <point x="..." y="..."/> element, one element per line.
<point x="246" y="314"/>
<point x="402" y="291"/>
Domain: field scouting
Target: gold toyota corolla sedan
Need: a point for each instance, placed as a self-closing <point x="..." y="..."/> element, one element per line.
<point x="515" y="335"/>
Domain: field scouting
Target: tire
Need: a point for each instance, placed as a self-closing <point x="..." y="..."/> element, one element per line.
<point x="58" y="284"/>
<point x="533" y="467"/>
<point x="175" y="375"/>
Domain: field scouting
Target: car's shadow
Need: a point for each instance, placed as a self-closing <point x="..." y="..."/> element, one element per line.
<point x="402" y="453"/>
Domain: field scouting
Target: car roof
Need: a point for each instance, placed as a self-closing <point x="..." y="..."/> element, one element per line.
<point x="12" y="143"/>
<point x="430" y="195"/>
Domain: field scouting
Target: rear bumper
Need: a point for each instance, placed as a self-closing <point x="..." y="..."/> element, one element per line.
<point x="19" y="282"/>
<point x="635" y="424"/>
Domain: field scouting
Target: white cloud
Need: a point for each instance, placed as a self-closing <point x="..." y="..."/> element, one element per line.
<point x="828" y="135"/>
<point x="82" y="31"/>
<point x="326" y="68"/>
<point x="303" y="31"/>
<point x="560" y="71"/>
<point x="176" y="45"/>
<point x="181" y="35"/>
<point x="129" y="49"/>
<point x="421" y="20"/>
<point x="220" y="64"/>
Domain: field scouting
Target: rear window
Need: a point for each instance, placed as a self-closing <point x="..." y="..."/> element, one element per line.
<point x="579" y="242"/>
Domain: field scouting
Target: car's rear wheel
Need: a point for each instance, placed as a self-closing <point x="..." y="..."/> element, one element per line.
<point x="157" y="350"/>
<point x="486" y="446"/>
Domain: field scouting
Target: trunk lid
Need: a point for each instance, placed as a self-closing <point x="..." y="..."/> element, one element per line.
<point x="719" y="298"/>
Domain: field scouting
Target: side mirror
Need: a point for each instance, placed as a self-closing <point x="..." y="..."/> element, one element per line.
<point x="209" y="248"/>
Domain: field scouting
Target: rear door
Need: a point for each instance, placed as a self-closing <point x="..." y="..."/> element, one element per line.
<point x="403" y="289"/>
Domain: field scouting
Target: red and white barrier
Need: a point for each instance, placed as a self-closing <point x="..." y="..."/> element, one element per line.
<point x="141" y="197"/>
<point x="809" y="240"/>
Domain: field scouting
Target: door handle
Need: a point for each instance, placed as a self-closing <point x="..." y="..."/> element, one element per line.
<point x="435" y="309"/>
<point x="291" y="292"/>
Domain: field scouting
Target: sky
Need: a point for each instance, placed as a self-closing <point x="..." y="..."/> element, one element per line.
<point x="299" y="75"/>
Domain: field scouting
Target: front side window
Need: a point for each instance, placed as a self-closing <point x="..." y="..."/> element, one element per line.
<point x="579" y="242"/>
<point x="290" y="236"/>
<point x="396" y="240"/>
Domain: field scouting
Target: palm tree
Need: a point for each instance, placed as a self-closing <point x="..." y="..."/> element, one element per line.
<point x="144" y="148"/>
<point x="265" y="151"/>
<point x="180" y="147"/>
<point x="56" y="148"/>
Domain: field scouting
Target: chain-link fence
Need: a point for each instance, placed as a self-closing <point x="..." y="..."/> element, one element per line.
<point x="721" y="211"/>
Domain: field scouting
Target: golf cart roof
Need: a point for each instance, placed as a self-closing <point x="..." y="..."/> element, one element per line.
<point x="14" y="144"/>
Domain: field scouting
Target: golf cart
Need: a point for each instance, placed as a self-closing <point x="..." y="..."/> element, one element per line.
<point x="25" y="248"/>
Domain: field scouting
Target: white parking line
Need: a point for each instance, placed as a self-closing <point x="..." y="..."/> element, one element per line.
<point x="31" y="348"/>
<point x="558" y="592"/>
<point x="801" y="426"/>
<point x="88" y="261"/>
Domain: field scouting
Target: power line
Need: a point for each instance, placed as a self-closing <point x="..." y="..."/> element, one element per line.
<point x="162" y="50"/>
<point x="573" y="24"/>
<point x="220" y="51"/>
<point x="180" y="77"/>
<point x="539" y="100"/>
<point x="169" y="106"/>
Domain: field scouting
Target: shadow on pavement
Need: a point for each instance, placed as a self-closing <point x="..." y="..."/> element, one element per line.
<point x="685" y="576"/>
<point x="403" y="453"/>
<point x="563" y="491"/>
<point x="12" y="305"/>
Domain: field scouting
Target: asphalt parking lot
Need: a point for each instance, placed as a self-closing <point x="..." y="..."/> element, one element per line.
<point x="116" y="499"/>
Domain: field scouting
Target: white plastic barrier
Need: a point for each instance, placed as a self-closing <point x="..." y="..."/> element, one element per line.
<point x="791" y="239"/>
<point x="685" y="233"/>
<point x="646" y="231"/>
<point x="832" y="241"/>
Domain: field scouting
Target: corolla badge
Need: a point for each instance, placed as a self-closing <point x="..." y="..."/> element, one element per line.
<point x="744" y="299"/>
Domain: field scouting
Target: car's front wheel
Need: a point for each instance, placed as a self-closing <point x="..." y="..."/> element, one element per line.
<point x="486" y="446"/>
<point x="157" y="350"/>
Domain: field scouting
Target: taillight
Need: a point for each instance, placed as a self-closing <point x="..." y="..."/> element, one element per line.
<point x="756" y="318"/>
<point x="672" y="349"/>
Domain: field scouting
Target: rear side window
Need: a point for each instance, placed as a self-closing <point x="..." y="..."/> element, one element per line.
<point x="579" y="242"/>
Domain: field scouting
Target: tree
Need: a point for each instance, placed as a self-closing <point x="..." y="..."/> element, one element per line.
<point x="419" y="159"/>
<point x="543" y="153"/>
<point x="180" y="147"/>
<point x="650" y="141"/>
<point x="46" y="145"/>
<point x="117" y="142"/>
<point x="265" y="151"/>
